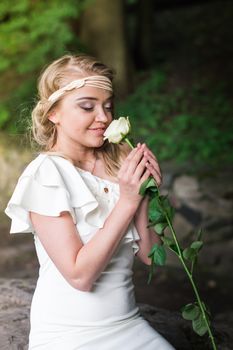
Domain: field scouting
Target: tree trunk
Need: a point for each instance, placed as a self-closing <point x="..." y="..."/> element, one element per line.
<point x="103" y="32"/>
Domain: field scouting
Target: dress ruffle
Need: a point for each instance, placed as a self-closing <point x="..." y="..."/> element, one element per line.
<point x="50" y="185"/>
<point x="132" y="236"/>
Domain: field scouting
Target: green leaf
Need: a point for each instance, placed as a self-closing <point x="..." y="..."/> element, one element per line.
<point x="159" y="228"/>
<point x="155" y="213"/>
<point x="158" y="255"/>
<point x="168" y="241"/>
<point x="200" y="325"/>
<point x="149" y="186"/>
<point x="190" y="312"/>
<point x="189" y="254"/>
<point x="199" y="234"/>
<point x="197" y="245"/>
<point x="151" y="273"/>
<point x="143" y="187"/>
<point x="167" y="207"/>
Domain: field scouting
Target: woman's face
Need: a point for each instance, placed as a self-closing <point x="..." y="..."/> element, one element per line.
<point x="82" y="117"/>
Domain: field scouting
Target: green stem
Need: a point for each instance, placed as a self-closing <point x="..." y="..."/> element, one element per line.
<point x="184" y="265"/>
<point x="128" y="142"/>
<point x="191" y="280"/>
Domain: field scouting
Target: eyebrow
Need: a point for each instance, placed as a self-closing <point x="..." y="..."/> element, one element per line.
<point x="92" y="98"/>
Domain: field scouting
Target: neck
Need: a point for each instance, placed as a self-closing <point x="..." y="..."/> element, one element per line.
<point x="83" y="157"/>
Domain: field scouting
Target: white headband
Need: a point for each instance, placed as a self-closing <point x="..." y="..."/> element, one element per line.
<point x="97" y="81"/>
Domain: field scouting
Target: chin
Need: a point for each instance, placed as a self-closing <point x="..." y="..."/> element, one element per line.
<point x="97" y="143"/>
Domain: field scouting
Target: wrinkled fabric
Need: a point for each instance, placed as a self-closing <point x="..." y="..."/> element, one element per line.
<point x="62" y="317"/>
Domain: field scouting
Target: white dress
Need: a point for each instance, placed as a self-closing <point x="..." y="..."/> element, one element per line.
<point x="62" y="317"/>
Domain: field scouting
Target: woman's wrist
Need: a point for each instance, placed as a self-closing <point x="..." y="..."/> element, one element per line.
<point x="143" y="207"/>
<point x="128" y="205"/>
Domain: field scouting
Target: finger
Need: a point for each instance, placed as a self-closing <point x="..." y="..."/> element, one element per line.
<point x="150" y="152"/>
<point x="140" y="168"/>
<point x="145" y="176"/>
<point x="127" y="160"/>
<point x="134" y="161"/>
<point x="154" y="164"/>
<point x="154" y="173"/>
<point x="131" y="154"/>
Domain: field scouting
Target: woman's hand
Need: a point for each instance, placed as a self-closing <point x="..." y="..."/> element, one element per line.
<point x="133" y="172"/>
<point x="153" y="166"/>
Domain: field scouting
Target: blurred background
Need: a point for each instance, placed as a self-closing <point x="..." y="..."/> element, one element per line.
<point x="173" y="60"/>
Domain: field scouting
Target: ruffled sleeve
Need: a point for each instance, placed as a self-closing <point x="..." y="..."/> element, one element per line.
<point x="132" y="236"/>
<point x="40" y="189"/>
<point x="51" y="185"/>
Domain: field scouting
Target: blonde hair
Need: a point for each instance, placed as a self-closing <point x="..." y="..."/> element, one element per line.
<point x="55" y="76"/>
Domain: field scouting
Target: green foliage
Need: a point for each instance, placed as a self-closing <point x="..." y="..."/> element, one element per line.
<point x="35" y="31"/>
<point x="4" y="115"/>
<point x="32" y="33"/>
<point x="160" y="216"/>
<point x="148" y="187"/>
<point x="191" y="252"/>
<point x="190" y="312"/>
<point x="158" y="258"/>
<point x="158" y="255"/>
<point x="189" y="124"/>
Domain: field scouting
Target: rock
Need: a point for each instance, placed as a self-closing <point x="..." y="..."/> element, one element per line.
<point x="179" y="331"/>
<point x="182" y="226"/>
<point x="186" y="187"/>
<point x="15" y="299"/>
<point x="218" y="257"/>
<point x="19" y="259"/>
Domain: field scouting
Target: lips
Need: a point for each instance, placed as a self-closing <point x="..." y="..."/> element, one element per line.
<point x="97" y="129"/>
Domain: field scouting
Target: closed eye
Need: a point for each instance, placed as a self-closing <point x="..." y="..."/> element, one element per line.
<point x="86" y="106"/>
<point x="108" y="106"/>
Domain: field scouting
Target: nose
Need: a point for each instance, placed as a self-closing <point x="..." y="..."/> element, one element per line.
<point x="101" y="115"/>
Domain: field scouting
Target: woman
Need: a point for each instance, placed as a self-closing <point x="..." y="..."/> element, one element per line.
<point x="80" y="198"/>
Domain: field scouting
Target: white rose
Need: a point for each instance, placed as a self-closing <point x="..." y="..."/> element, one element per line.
<point x="117" y="130"/>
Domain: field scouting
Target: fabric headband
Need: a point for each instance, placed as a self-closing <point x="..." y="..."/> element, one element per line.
<point x="97" y="81"/>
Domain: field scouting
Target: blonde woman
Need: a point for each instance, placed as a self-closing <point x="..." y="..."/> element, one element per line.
<point x="79" y="197"/>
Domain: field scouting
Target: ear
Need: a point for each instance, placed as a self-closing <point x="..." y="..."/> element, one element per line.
<point x="53" y="116"/>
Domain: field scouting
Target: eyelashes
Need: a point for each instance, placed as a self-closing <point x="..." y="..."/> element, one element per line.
<point x="91" y="108"/>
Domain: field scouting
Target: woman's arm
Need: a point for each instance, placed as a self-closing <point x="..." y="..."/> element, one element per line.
<point x="148" y="237"/>
<point x="81" y="264"/>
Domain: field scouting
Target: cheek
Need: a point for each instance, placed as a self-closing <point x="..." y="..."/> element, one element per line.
<point x="78" y="120"/>
<point x="110" y="117"/>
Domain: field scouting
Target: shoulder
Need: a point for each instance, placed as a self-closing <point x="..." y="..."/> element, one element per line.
<point x="41" y="163"/>
<point x="49" y="170"/>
